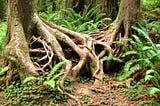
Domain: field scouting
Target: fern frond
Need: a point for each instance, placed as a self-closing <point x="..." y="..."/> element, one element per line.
<point x="137" y="40"/>
<point x="56" y="67"/>
<point x="106" y="58"/>
<point x="130" y="53"/>
<point x="71" y="14"/>
<point x="89" y="13"/>
<point x="153" y="80"/>
<point x="99" y="17"/>
<point x="141" y="27"/>
<point x="153" y="90"/>
<point x="132" y="70"/>
<point x="27" y="79"/>
<point x="142" y="33"/>
<point x="156" y="74"/>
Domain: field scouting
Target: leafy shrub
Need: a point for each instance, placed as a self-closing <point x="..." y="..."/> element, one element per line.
<point x="49" y="79"/>
<point x="154" y="77"/>
<point x="145" y="56"/>
<point x="89" y="21"/>
<point x="153" y="26"/>
<point x="35" y="89"/>
<point x="145" y="53"/>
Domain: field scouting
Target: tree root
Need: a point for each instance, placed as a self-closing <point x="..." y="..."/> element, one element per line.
<point x="46" y="49"/>
<point x="84" y="46"/>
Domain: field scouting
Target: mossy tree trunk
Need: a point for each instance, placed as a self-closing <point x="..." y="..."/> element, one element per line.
<point x="33" y="45"/>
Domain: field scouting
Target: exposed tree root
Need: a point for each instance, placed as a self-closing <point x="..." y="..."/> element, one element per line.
<point x="46" y="49"/>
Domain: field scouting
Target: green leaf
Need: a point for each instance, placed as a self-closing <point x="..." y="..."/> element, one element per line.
<point x="51" y="83"/>
<point x="4" y="70"/>
<point x="142" y="34"/>
<point x="129" y="53"/>
<point x="153" y="90"/>
<point x="156" y="74"/>
<point x="127" y="74"/>
<point x="106" y="58"/>
<point x="137" y="39"/>
<point x="58" y="75"/>
<point x="148" y="77"/>
<point x="27" y="79"/>
<point x="153" y="79"/>
<point x="56" y="67"/>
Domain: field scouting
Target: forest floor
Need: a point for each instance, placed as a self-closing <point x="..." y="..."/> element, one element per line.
<point x="110" y="93"/>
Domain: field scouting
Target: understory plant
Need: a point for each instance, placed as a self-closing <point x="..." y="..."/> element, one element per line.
<point x="35" y="89"/>
<point x="49" y="79"/>
<point x="3" y="28"/>
<point x="144" y="53"/>
<point x="144" y="56"/>
<point x="89" y="21"/>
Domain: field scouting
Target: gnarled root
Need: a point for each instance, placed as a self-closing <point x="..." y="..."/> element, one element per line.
<point x="53" y="44"/>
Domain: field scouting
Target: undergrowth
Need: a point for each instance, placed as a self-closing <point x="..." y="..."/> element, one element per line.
<point x="89" y="21"/>
<point x="141" y="57"/>
<point x="3" y="28"/>
<point x="40" y="90"/>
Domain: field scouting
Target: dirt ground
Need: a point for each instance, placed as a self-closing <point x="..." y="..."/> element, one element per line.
<point x="105" y="95"/>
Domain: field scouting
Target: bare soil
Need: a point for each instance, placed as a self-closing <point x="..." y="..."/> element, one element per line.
<point x="104" y="95"/>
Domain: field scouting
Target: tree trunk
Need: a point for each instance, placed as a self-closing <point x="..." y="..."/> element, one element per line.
<point x="127" y="16"/>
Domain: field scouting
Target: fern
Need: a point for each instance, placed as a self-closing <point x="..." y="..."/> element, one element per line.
<point x="127" y="74"/>
<point x="154" y="76"/>
<point x="153" y="90"/>
<point x="28" y="79"/>
<point x="106" y="58"/>
<point x="128" y="53"/>
<point x="55" y="68"/>
<point x="87" y="22"/>
<point x="50" y="79"/>
<point x="142" y="33"/>
<point x="144" y="54"/>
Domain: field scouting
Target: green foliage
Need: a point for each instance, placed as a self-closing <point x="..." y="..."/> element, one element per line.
<point x="90" y="21"/>
<point x="50" y="79"/>
<point x="3" y="28"/>
<point x="4" y="70"/>
<point x="43" y="5"/>
<point x="84" y="79"/>
<point x="145" y="53"/>
<point x="107" y="58"/>
<point x="35" y="89"/>
<point x="151" y="102"/>
<point x="153" y="26"/>
<point x="154" y="77"/>
<point x="84" y="99"/>
<point x="31" y="95"/>
<point x="135" y="92"/>
<point x="51" y="16"/>
<point x="154" y="3"/>
<point x="26" y="80"/>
